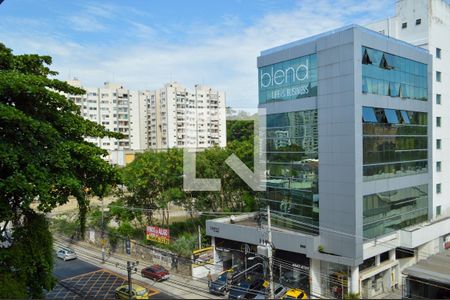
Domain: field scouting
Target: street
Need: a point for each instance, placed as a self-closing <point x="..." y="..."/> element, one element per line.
<point x="71" y="268"/>
<point x="88" y="277"/>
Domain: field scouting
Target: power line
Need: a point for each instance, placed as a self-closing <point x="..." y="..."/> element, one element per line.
<point x="341" y="232"/>
<point x="277" y="215"/>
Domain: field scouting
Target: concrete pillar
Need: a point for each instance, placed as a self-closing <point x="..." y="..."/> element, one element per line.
<point x="315" y="279"/>
<point x="217" y="267"/>
<point x="392" y="254"/>
<point x="354" y="280"/>
<point x="377" y="260"/>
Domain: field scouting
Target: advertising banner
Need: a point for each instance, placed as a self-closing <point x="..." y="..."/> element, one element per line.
<point x="157" y="234"/>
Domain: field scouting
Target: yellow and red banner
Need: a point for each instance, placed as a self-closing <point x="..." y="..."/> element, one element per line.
<point x="157" y="234"/>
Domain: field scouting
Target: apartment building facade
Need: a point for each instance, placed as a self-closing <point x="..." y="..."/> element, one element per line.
<point x="426" y="24"/>
<point x="116" y="108"/>
<point x="170" y="117"/>
<point x="183" y="118"/>
<point x="349" y="164"/>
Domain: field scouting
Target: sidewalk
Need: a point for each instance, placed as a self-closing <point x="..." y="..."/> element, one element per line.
<point x="178" y="286"/>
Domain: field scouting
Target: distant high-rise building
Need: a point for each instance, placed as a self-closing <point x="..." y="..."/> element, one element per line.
<point x="170" y="117"/>
<point x="178" y="117"/>
<point x="116" y="108"/>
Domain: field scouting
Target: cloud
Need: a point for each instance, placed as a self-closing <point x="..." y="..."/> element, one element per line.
<point x="221" y="55"/>
<point x="86" y="24"/>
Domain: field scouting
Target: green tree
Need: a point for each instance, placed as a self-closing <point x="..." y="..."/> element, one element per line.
<point x="240" y="130"/>
<point x="153" y="180"/>
<point x="44" y="158"/>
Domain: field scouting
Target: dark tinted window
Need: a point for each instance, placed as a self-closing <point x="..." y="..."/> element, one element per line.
<point x="386" y="74"/>
<point x="395" y="143"/>
<point x="392" y="210"/>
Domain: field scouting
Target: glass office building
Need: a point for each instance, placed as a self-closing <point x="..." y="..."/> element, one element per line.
<point x="392" y="210"/>
<point x="292" y="167"/>
<point x="348" y="158"/>
<point x="395" y="143"/>
<point x="391" y="75"/>
<point x="291" y="143"/>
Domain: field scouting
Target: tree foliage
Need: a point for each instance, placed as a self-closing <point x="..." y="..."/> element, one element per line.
<point x="155" y="179"/>
<point x="240" y="130"/>
<point x="44" y="158"/>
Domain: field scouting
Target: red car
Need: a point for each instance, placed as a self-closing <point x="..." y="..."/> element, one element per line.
<point x="155" y="272"/>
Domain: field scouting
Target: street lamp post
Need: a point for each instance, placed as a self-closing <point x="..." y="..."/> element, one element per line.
<point x="103" y="235"/>
<point x="271" y="295"/>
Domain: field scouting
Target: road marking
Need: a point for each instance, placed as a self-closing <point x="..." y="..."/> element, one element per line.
<point x="84" y="274"/>
<point x="92" y="285"/>
<point x="151" y="291"/>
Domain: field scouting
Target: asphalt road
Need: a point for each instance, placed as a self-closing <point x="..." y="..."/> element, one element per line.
<point x="65" y="270"/>
<point x="71" y="268"/>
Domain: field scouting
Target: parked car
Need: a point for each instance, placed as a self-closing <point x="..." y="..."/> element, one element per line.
<point x="248" y="290"/>
<point x="239" y="290"/>
<point x="66" y="254"/>
<point x="137" y="292"/>
<point x="220" y="285"/>
<point x="295" y="294"/>
<point x="278" y="291"/>
<point x="155" y="272"/>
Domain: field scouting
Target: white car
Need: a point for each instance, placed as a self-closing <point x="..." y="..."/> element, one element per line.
<point x="66" y="254"/>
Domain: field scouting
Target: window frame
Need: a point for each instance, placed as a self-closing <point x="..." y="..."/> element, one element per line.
<point x="418" y="21"/>
<point x="438" y="166"/>
<point x="438" y="99"/>
<point x="438" y="52"/>
<point x="404" y="25"/>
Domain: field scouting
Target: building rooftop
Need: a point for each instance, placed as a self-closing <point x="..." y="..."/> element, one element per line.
<point x="435" y="268"/>
<point x="334" y="31"/>
<point x="249" y="220"/>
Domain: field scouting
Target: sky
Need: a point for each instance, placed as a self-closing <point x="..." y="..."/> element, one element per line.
<point x="143" y="44"/>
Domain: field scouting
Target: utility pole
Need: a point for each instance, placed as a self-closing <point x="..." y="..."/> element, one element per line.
<point x="269" y="234"/>
<point x="199" y="237"/>
<point x="129" y="268"/>
<point x="103" y="235"/>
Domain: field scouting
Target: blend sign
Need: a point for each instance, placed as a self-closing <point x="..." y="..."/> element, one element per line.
<point x="288" y="80"/>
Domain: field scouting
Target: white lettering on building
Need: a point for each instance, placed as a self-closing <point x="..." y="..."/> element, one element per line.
<point x="288" y="75"/>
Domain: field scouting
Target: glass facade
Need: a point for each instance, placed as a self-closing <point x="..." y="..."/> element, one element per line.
<point x="292" y="168"/>
<point x="291" y="79"/>
<point x="395" y="143"/>
<point x="391" y="75"/>
<point x="392" y="210"/>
